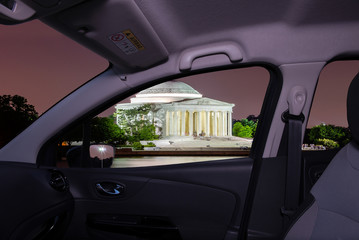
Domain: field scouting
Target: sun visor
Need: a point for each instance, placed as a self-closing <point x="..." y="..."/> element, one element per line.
<point x="115" y="29"/>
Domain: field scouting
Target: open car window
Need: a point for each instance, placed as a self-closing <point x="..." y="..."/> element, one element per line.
<point x="327" y="126"/>
<point x="204" y="117"/>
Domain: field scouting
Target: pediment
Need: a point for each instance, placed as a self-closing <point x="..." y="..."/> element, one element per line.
<point x="203" y="101"/>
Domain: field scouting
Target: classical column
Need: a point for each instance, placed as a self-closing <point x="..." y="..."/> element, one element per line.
<point x="211" y="120"/>
<point x="220" y="124"/>
<point x="215" y="124"/>
<point x="218" y="115"/>
<point x="190" y="123"/>
<point x="207" y="123"/>
<point x="229" y="123"/>
<point x="224" y="124"/>
<point x="175" y="123"/>
<point x="183" y="123"/>
<point x="199" y="122"/>
<point x="171" y="123"/>
<point x="166" y="129"/>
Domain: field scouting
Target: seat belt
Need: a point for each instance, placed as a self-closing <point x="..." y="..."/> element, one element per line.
<point x="294" y="119"/>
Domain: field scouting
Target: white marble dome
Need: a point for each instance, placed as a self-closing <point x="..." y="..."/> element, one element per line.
<point x="171" y="91"/>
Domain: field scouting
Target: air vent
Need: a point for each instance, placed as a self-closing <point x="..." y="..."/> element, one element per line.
<point x="58" y="181"/>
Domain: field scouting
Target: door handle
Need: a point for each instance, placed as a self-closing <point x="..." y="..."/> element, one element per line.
<point x="110" y="188"/>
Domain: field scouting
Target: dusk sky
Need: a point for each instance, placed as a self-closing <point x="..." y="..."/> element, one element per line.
<point x="43" y="66"/>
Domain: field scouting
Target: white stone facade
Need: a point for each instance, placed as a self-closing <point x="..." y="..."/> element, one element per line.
<point x="179" y="110"/>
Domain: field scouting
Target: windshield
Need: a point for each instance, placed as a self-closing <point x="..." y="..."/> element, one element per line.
<point x="39" y="66"/>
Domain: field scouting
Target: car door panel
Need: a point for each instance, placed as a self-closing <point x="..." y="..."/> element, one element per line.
<point x="31" y="208"/>
<point x="186" y="201"/>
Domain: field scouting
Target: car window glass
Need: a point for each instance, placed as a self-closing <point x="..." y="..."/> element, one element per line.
<point x="327" y="125"/>
<point x="39" y="66"/>
<point x="210" y="116"/>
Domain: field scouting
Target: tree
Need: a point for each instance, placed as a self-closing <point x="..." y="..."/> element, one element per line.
<point x="254" y="129"/>
<point x="15" y="115"/>
<point x="104" y="129"/>
<point x="242" y="131"/>
<point x="246" y="122"/>
<point x="245" y="128"/>
<point x="328" y="143"/>
<point x="250" y="123"/>
<point x="138" y="123"/>
<point x="253" y="118"/>
<point x="337" y="134"/>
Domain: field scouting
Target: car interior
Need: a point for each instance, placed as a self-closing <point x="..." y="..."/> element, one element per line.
<point x="277" y="191"/>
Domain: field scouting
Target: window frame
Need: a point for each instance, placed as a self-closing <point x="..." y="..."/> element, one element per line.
<point x="48" y="149"/>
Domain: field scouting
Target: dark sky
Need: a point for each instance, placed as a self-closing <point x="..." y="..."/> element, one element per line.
<point x="329" y="105"/>
<point x="43" y="66"/>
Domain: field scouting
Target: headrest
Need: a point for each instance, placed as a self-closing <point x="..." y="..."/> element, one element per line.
<point x="353" y="108"/>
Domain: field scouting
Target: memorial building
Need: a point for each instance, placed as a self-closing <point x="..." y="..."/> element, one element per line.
<point x="178" y="110"/>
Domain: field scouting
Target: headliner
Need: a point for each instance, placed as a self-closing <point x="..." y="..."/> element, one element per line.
<point x="272" y="31"/>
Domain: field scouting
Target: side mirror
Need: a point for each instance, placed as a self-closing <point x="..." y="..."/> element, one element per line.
<point x="101" y="155"/>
